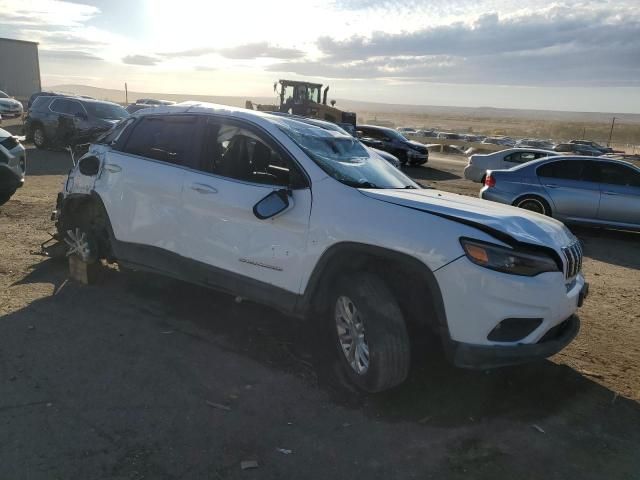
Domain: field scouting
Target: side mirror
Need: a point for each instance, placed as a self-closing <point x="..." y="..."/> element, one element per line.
<point x="81" y="116"/>
<point x="271" y="205"/>
<point x="89" y="166"/>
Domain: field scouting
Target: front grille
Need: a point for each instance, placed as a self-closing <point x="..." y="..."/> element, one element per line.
<point x="9" y="143"/>
<point x="572" y="259"/>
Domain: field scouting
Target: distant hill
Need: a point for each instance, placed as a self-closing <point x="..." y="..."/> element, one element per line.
<point x="369" y="107"/>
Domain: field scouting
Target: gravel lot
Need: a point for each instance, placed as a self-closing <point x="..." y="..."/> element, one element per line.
<point x="144" y="377"/>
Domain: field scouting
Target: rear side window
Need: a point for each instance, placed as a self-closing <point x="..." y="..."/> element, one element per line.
<point x="165" y="138"/>
<point x="75" y="108"/>
<point x="40" y="102"/>
<point x="613" y="174"/>
<point x="60" y="105"/>
<point x="563" y="169"/>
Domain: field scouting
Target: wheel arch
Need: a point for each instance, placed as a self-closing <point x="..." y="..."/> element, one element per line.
<point x="536" y="195"/>
<point x="88" y="209"/>
<point x="412" y="282"/>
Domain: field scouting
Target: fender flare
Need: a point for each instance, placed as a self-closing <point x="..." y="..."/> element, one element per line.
<point x="327" y="265"/>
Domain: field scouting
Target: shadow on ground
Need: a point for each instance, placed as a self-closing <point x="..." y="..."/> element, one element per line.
<point x="47" y="162"/>
<point x="610" y="246"/>
<point x="429" y="173"/>
<point x="524" y="392"/>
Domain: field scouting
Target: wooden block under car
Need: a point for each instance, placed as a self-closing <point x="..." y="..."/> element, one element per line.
<point x="83" y="272"/>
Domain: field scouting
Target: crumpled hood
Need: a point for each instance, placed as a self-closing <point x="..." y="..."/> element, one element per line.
<point x="519" y="224"/>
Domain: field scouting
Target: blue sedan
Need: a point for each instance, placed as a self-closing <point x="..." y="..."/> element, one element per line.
<point x="582" y="190"/>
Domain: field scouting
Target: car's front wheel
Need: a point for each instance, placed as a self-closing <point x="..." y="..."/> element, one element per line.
<point x="369" y="332"/>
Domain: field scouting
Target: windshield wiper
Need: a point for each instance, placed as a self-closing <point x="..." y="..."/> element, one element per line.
<point x="365" y="184"/>
<point x="410" y="187"/>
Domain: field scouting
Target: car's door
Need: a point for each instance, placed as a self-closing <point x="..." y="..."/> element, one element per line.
<point x="80" y="119"/>
<point x="59" y="124"/>
<point x="240" y="165"/>
<point x="574" y="194"/>
<point x="141" y="180"/>
<point x="620" y="190"/>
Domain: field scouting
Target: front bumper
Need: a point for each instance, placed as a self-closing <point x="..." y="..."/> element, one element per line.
<point x="482" y="356"/>
<point x="10" y="180"/>
<point x="416" y="157"/>
<point x="477" y="301"/>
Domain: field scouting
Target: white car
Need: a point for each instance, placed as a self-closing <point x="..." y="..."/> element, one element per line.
<point x="476" y="169"/>
<point x="10" y="107"/>
<point x="308" y="221"/>
<point x="13" y="164"/>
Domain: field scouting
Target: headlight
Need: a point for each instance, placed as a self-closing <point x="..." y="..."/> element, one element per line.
<point x="507" y="260"/>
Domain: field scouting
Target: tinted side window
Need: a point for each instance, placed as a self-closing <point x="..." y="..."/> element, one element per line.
<point x="60" y="106"/>
<point x="167" y="139"/>
<point x="563" y="169"/>
<point x="75" y="108"/>
<point x="613" y="174"/>
<point x="235" y="152"/>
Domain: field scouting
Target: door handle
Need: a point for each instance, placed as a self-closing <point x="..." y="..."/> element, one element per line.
<point x="112" y="167"/>
<point x="551" y="185"/>
<point x="203" y="188"/>
<point x="609" y="193"/>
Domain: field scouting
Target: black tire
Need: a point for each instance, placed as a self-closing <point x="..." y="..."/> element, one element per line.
<point x="39" y="137"/>
<point x="533" y="203"/>
<point x="4" y="197"/>
<point x="385" y="332"/>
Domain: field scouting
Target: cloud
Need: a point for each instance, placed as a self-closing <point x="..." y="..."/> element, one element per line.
<point x="140" y="60"/>
<point x="260" y="50"/>
<point x="557" y="47"/>
<point x="73" y="55"/>
<point x="240" y="52"/>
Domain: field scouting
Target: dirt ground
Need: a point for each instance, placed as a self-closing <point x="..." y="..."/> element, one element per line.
<point x="145" y="377"/>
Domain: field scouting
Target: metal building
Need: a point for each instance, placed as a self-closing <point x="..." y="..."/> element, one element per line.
<point x="19" y="68"/>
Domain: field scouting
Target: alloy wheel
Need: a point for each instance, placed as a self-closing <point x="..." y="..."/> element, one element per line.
<point x="351" y="335"/>
<point x="78" y="242"/>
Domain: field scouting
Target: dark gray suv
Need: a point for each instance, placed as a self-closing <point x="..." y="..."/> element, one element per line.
<point x="57" y="121"/>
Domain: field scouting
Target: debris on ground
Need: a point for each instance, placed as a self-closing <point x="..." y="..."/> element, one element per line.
<point x="538" y="428"/>
<point x="248" y="464"/>
<point x="218" y="406"/>
<point x="284" y="451"/>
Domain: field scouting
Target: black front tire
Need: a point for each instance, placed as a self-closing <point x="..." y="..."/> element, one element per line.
<point x="384" y="330"/>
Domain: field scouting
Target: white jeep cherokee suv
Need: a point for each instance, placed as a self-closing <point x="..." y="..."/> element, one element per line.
<point x="306" y="220"/>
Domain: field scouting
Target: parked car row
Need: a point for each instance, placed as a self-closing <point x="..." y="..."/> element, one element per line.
<point x="576" y="147"/>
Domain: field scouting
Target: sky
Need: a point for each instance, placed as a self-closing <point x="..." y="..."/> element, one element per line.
<point x="533" y="54"/>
